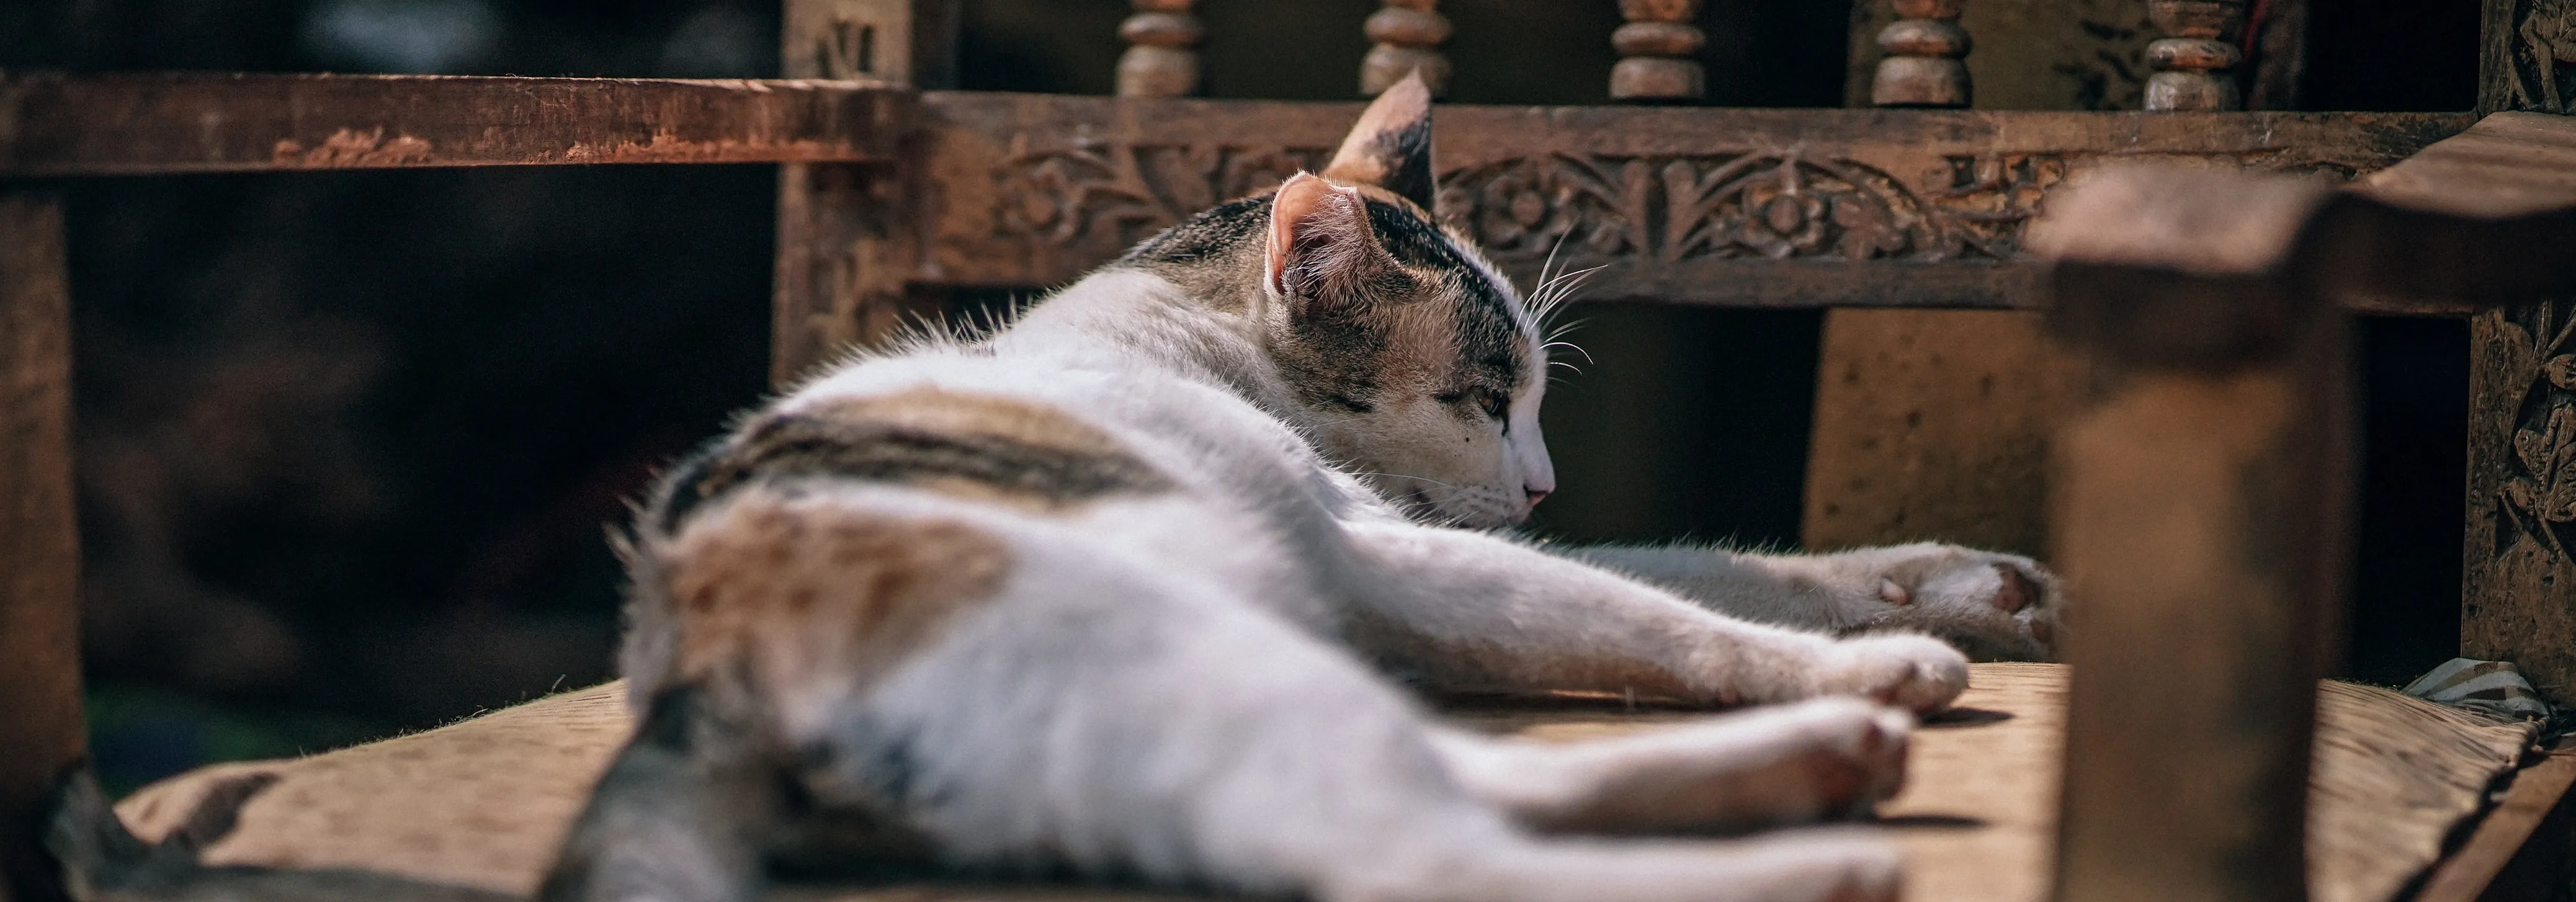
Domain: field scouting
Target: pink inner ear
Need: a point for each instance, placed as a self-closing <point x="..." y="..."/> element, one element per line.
<point x="1311" y="218"/>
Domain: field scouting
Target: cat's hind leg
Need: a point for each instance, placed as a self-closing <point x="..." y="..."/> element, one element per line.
<point x="681" y="815"/>
<point x="1804" y="866"/>
<point x="1803" y="761"/>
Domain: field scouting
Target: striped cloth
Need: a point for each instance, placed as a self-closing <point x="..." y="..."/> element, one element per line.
<point x="2491" y="687"/>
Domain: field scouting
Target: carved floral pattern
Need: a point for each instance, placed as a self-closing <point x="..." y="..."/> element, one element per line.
<point x="1122" y="193"/>
<point x="2544" y="38"/>
<point x="1664" y="207"/>
<point x="1745" y="205"/>
<point x="2538" y="496"/>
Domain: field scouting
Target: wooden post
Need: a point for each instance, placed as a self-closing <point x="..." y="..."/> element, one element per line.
<point x="41" y="732"/>
<point x="847" y="248"/>
<point x="2203" y="504"/>
<point x="1924" y="48"/>
<point x="1405" y="38"/>
<point x="1161" y="58"/>
<point x="2192" y="60"/>
<point x="2030" y="54"/>
<point x="1656" y="50"/>
<point x="2201" y="511"/>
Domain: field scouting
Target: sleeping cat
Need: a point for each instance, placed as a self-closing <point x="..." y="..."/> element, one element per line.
<point x="1132" y="587"/>
<point x="1098" y="592"/>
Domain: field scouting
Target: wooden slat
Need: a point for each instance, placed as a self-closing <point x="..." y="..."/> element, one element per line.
<point x="1744" y="207"/>
<point x="41" y="731"/>
<point x="162" y="123"/>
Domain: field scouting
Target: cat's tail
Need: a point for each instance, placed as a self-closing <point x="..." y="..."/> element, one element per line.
<point x="102" y="861"/>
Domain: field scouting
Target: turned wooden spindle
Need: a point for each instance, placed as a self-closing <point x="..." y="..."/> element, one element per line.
<point x="1656" y="49"/>
<point x="1406" y="36"/>
<point x="2192" y="59"/>
<point x="1922" y="67"/>
<point x="1160" y="60"/>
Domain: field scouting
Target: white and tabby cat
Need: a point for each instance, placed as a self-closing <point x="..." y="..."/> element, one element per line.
<point x="1098" y="593"/>
<point x="1129" y="587"/>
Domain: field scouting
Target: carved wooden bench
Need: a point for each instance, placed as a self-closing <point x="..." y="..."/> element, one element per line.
<point x="892" y="191"/>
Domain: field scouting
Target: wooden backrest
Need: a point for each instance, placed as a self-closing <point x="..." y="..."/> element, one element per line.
<point x="1677" y="204"/>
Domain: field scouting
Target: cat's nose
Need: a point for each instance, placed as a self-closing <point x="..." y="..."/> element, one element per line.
<point x="1536" y="496"/>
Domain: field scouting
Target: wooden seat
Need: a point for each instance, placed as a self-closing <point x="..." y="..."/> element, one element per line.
<point x="482" y="802"/>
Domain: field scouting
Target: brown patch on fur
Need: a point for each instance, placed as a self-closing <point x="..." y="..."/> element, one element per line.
<point x="1390" y="146"/>
<point x="983" y="447"/>
<point x="791" y="593"/>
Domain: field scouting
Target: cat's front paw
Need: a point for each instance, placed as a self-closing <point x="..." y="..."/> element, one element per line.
<point x="1917" y="673"/>
<point x="1992" y="606"/>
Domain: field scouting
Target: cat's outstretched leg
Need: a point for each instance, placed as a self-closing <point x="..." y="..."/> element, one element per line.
<point x="1805" y="866"/>
<point x="1460" y="609"/>
<point x="681" y="815"/>
<point x="1992" y="606"/>
<point x="1831" y="757"/>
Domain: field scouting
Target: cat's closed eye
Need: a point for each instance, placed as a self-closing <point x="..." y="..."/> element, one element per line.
<point x="1492" y="403"/>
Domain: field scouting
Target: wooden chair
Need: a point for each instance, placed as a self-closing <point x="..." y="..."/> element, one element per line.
<point x="893" y="190"/>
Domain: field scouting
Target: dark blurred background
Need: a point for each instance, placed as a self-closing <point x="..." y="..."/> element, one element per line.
<point x="348" y="442"/>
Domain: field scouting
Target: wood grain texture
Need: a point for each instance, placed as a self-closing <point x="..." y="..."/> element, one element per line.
<point x="476" y="803"/>
<point x="41" y="727"/>
<point x="847" y="250"/>
<point x="1743" y="207"/>
<point x="2201" y="510"/>
<point x="2523" y="53"/>
<point x="2506" y="164"/>
<point x="164" y="123"/>
<point x="2537" y="792"/>
<point x="483" y="802"/>
<point x="1934" y="424"/>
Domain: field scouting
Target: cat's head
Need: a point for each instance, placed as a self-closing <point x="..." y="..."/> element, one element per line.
<point x="1417" y="363"/>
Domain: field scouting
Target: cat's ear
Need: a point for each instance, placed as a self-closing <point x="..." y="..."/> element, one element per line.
<point x="1391" y="145"/>
<point x="1323" y="259"/>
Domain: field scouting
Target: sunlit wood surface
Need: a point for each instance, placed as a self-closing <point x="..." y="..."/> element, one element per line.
<point x="481" y="802"/>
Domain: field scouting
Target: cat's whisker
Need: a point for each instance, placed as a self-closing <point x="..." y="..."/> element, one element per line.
<point x="1554" y="291"/>
<point x="1565" y="329"/>
<point x="1576" y="348"/>
<point x="1405" y="476"/>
